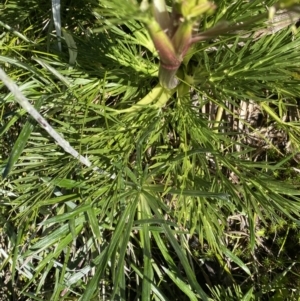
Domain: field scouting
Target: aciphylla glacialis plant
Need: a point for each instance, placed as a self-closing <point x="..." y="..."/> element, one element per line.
<point x="174" y="33"/>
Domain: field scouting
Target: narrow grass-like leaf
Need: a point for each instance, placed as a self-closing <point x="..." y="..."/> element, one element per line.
<point x="50" y="239"/>
<point x="62" y="244"/>
<point x="21" y="141"/>
<point x="72" y="47"/>
<point x="123" y="229"/>
<point x="158" y="293"/>
<point x="235" y="259"/>
<point x="146" y="245"/>
<point x="182" y="285"/>
<point x="94" y="223"/>
<point x="178" y="249"/>
<point x="68" y="215"/>
<point x="57" y="20"/>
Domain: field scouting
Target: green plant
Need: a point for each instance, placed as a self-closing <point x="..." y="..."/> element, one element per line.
<point x="168" y="171"/>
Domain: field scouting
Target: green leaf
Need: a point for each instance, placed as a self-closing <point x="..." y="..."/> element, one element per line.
<point x="235" y="259"/>
<point x="72" y="47"/>
<point x="178" y="249"/>
<point x="183" y="286"/>
<point x="21" y="141"/>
